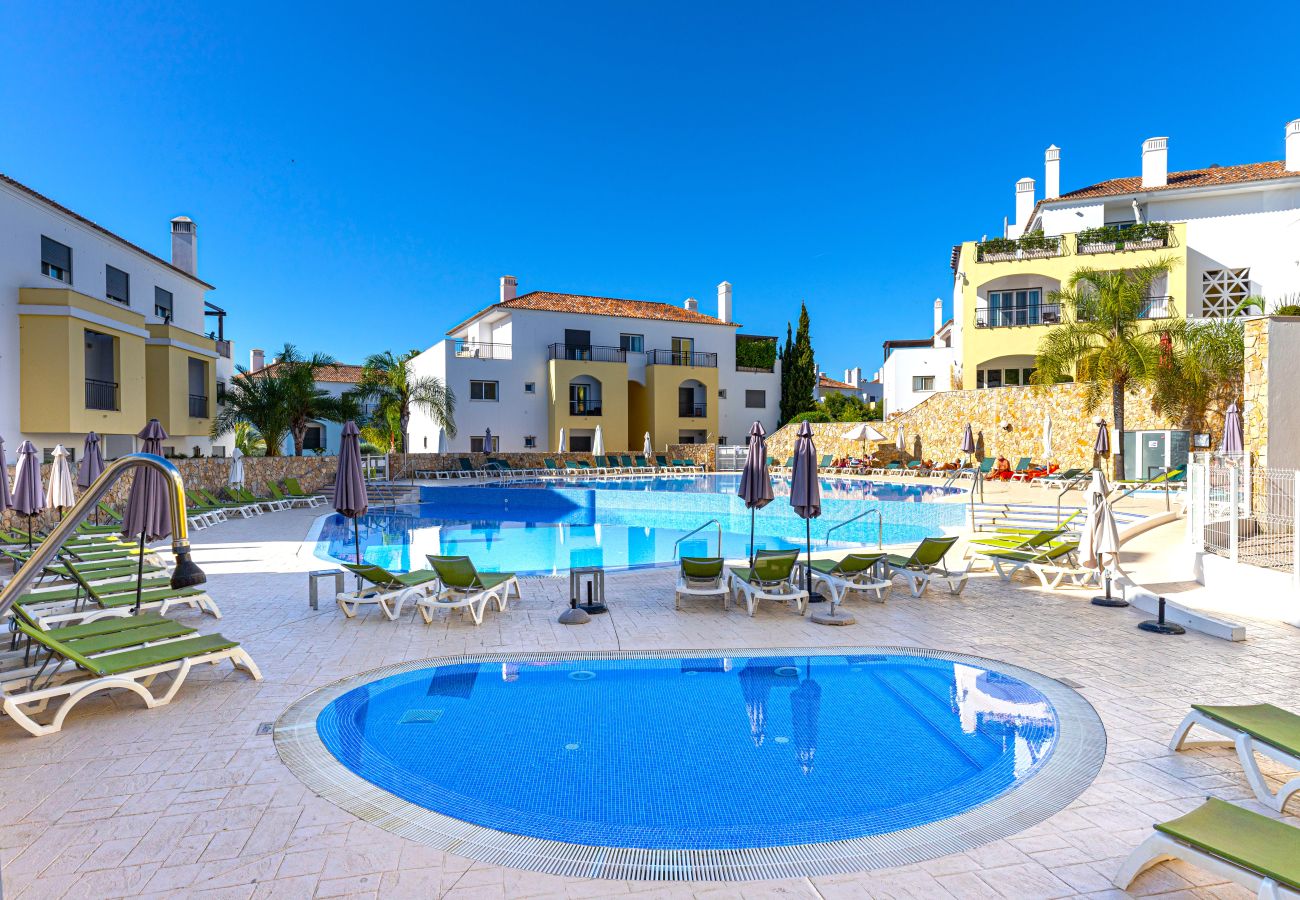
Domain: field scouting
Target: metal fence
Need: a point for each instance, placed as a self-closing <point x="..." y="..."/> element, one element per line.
<point x="1246" y="513"/>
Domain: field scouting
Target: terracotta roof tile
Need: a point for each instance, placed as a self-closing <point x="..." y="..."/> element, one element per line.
<point x="1208" y="177"/>
<point x="5" y="179"/>
<point x="824" y="382"/>
<point x="340" y="374"/>
<point x="548" y="301"/>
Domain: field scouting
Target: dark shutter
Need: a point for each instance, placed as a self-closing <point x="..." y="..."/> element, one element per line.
<point x="56" y="254"/>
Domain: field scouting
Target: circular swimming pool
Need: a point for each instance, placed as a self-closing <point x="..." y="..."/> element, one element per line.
<point x="546" y="526"/>
<point x="756" y="764"/>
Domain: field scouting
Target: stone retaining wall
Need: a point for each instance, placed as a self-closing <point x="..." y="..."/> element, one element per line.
<point x="401" y="467"/>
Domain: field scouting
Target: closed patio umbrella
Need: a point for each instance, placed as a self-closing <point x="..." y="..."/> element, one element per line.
<point x="350" y="498"/>
<point x="236" y="476"/>
<point x="805" y="491"/>
<point x="560" y="447"/>
<point x="28" y="494"/>
<point x="92" y="461"/>
<point x="755" y="481"/>
<point x="598" y="442"/>
<point x="60" y="494"/>
<point x="6" y="498"/>
<point x="968" y="442"/>
<point x="1102" y="447"/>
<point x="1233" y="443"/>
<point x="646" y="448"/>
<point x="146" y="507"/>
<point x="1047" y="439"/>
<point x="487" y="440"/>
<point x="899" y="441"/>
<point x="1099" y="542"/>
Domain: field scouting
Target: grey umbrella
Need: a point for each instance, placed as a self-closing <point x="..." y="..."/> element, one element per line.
<point x="92" y="461"/>
<point x="350" y="498"/>
<point x="29" y="493"/>
<point x="487" y="440"/>
<point x="1234" y="443"/>
<point x="968" y="441"/>
<point x="755" y="481"/>
<point x="1103" y="439"/>
<point x="6" y="499"/>
<point x="805" y="491"/>
<point x="146" y="507"/>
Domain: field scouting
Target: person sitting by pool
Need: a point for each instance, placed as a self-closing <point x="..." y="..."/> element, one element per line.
<point x="950" y="466"/>
<point x="1001" y="470"/>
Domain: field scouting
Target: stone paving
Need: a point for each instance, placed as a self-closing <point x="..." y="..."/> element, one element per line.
<point x="189" y="800"/>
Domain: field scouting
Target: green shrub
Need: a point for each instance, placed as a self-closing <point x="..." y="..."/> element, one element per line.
<point x="756" y="354"/>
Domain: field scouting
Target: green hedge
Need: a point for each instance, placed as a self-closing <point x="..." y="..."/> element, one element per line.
<point x="756" y="354"/>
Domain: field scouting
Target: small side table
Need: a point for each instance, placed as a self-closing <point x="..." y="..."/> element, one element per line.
<point x="594" y="579"/>
<point x="314" y="580"/>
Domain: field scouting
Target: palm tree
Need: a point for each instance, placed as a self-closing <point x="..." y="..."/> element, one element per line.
<point x="1103" y="341"/>
<point x="1202" y="367"/>
<point x="391" y="383"/>
<point x="249" y="440"/>
<point x="304" y="402"/>
<point x="255" y="400"/>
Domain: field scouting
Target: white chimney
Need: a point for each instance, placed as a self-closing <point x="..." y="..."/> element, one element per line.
<point x="509" y="287"/>
<point x="1052" y="178"/>
<point x="1155" y="162"/>
<point x="185" y="245"/>
<point x="1293" y="145"/>
<point x="848" y="376"/>
<point x="692" y="304"/>
<point x="724" y="302"/>
<point x="1024" y="204"/>
<point x="256" y="360"/>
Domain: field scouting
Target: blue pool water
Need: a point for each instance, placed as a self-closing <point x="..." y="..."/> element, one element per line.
<point x="695" y="753"/>
<point x="537" y="527"/>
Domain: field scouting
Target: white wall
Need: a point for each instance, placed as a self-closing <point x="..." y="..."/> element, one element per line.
<point x="23" y="220"/>
<point x="897" y="372"/>
<point x="1283" y="388"/>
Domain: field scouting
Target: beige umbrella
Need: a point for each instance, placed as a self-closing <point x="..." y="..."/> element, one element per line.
<point x="863" y="432"/>
<point x="59" y="494"/>
<point x="1099" y="543"/>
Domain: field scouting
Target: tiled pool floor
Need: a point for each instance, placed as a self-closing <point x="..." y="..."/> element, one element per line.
<point x="189" y="800"/>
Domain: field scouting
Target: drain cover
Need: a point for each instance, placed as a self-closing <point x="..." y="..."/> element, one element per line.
<point x="786" y="671"/>
<point x="419" y="716"/>
<point x="582" y="676"/>
<point x="266" y="728"/>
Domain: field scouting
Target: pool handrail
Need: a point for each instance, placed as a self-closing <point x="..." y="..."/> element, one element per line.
<point x="677" y="544"/>
<point x="880" y="530"/>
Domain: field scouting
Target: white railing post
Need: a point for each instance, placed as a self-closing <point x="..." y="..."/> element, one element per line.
<point x="1295" y="531"/>
<point x="1195" y="506"/>
<point x="1234" y="484"/>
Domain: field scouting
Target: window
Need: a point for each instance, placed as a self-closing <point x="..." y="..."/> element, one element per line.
<point x="584" y="399"/>
<point x="162" y="304"/>
<point x="483" y="390"/>
<point x="101" y="370"/>
<point x="979" y="378"/>
<point x="683" y="351"/>
<point x="993" y="378"/>
<point x="117" y="285"/>
<point x="1019" y="308"/>
<point x="530" y="387"/>
<point x="476" y="444"/>
<point x="1011" y="378"/>
<point x="633" y="342"/>
<point x="722" y="393"/>
<point x="426" y="442"/>
<point x="1026" y="375"/>
<point x="1222" y="291"/>
<point x="198" y="378"/>
<point x="530" y="442"/>
<point x="56" y="260"/>
<point x="314" y="439"/>
<point x="755" y="399"/>
<point x="922" y="382"/>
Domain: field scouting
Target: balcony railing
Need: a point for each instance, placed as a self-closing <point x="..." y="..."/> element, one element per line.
<point x="1011" y="316"/>
<point x="681" y="358"/>
<point x="198" y="406"/>
<point x="584" y="407"/>
<point x="482" y="350"/>
<point x="1156" y="308"/>
<point x="588" y="352"/>
<point x="1117" y="238"/>
<point x="692" y="410"/>
<point x="1034" y="245"/>
<point x="101" y="394"/>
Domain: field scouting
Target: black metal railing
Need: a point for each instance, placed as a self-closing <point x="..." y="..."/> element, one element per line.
<point x="692" y="410"/>
<point x="1156" y="308"/>
<point x="682" y="358"/>
<point x="1034" y="245"/>
<point x="1010" y="316"/>
<point x="198" y="406"/>
<point x="482" y="350"/>
<point x="584" y="407"/>
<point x="588" y="352"/>
<point x="101" y="394"/>
<point x="1116" y="238"/>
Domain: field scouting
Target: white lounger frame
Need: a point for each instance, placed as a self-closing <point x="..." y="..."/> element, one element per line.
<point x="1247" y="747"/>
<point x="918" y="582"/>
<point x="840" y="587"/>
<point x="138" y="681"/>
<point x="64" y="612"/>
<point x="1050" y="574"/>
<point x="699" y="587"/>
<point x="475" y="604"/>
<point x="1160" y="847"/>
<point x="783" y="592"/>
<point x="389" y="600"/>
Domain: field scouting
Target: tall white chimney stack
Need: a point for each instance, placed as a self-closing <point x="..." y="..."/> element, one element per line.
<point x="1052" y="178"/>
<point x="1155" y="162"/>
<point x="185" y="245"/>
<point x="724" y="302"/>
<point x="938" y="320"/>
<point x="256" y="360"/>
<point x="1293" y="145"/>
<point x="509" y="287"/>
<point x="691" y="304"/>
<point x="1024" y="205"/>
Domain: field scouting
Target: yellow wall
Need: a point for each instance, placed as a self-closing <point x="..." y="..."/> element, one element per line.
<point x="53" y="360"/>
<point x="981" y="345"/>
<point x="662" y="383"/>
<point x="613" y="419"/>
<point x="168" y="381"/>
<point x="638" y="415"/>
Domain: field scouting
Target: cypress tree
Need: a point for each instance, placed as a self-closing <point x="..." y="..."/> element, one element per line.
<point x="786" y="353"/>
<point x="803" y="368"/>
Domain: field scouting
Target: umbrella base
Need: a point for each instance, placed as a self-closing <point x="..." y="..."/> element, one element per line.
<point x="834" y="617"/>
<point x="593" y="609"/>
<point x="1114" y="602"/>
<point x="1156" y="627"/>
<point x="575" y="616"/>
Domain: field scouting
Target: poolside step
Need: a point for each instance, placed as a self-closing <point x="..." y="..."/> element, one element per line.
<point x="991" y="516"/>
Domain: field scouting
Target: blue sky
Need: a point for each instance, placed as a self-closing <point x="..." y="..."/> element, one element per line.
<point x="362" y="174"/>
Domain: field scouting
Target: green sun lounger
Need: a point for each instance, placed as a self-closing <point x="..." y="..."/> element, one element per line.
<point x="1052" y="563"/>
<point x="294" y="488"/>
<point x="926" y="564"/>
<point x="1016" y="541"/>
<point x="387" y="590"/>
<point x="770" y="578"/>
<point x="1260" y="728"/>
<point x="461" y="585"/>
<point x="851" y="572"/>
<point x="700" y="576"/>
<point x="1228" y="841"/>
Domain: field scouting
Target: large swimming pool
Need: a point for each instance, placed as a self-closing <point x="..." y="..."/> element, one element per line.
<point x="874" y="749"/>
<point x="542" y="527"/>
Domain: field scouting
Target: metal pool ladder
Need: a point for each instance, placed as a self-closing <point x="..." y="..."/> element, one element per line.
<point x="880" y="529"/>
<point x="699" y="529"/>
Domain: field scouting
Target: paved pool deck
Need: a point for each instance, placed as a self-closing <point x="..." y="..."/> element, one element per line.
<point x="189" y="800"/>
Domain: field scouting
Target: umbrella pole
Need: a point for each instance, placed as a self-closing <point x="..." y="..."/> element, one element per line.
<point x="752" y="511"/>
<point x="144" y="525"/>
<point x="807" y="570"/>
<point x="356" y="538"/>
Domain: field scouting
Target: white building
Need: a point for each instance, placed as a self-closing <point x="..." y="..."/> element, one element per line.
<point x="915" y="369"/>
<point x="851" y="386"/>
<point x="97" y="333"/>
<point x="530" y="365"/>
